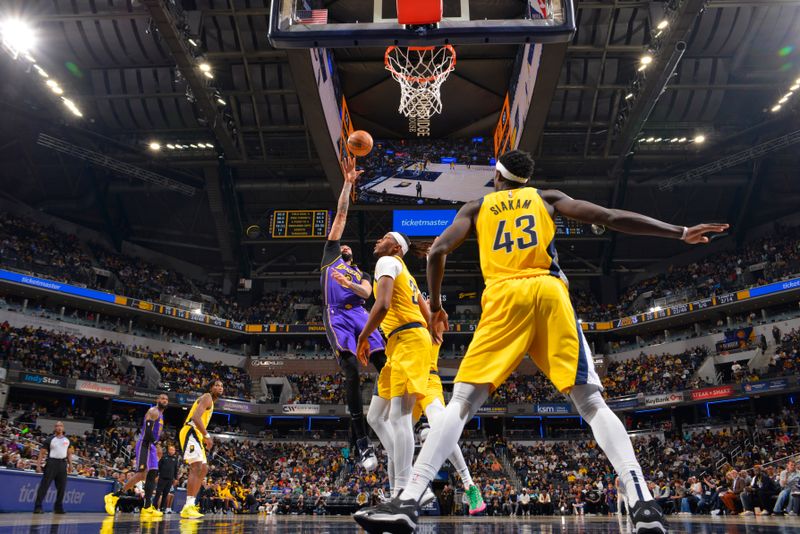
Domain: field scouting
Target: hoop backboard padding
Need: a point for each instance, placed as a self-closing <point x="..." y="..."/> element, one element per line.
<point x="420" y="71"/>
<point x="419" y="12"/>
<point x="368" y="23"/>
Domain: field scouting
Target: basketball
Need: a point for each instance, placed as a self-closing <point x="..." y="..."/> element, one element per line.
<point x="360" y="143"/>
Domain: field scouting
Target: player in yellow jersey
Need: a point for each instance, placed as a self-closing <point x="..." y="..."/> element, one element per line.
<point x="527" y="310"/>
<point x="195" y="441"/>
<point x="404" y="378"/>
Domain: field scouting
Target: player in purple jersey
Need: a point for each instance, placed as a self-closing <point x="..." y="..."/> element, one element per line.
<point x="345" y="288"/>
<point x="146" y="458"/>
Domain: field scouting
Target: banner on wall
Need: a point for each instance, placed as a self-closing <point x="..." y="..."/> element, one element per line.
<point x="301" y="409"/>
<point x="231" y="405"/>
<point x="766" y="385"/>
<point x="97" y="387"/>
<point x="622" y="404"/>
<point x="489" y="410"/>
<point x="19" y="492"/>
<point x="554" y="408"/>
<point x="664" y="399"/>
<point x="33" y="378"/>
<point x="740" y="338"/>
<point x="712" y="393"/>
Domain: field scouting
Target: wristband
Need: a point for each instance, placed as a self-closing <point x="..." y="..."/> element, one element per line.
<point x="207" y="436"/>
<point x="685" y="231"/>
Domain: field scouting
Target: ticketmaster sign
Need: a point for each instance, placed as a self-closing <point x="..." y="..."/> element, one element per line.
<point x="19" y="492"/>
<point x="429" y="223"/>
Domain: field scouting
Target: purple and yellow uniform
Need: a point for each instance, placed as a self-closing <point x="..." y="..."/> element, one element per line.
<point x="344" y="314"/>
<point x="147" y="457"/>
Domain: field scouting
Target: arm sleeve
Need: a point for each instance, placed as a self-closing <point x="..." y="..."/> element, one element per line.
<point x="388" y="266"/>
<point x="148" y="431"/>
<point x="331" y="252"/>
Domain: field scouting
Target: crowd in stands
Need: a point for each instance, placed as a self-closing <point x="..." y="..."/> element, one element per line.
<point x="728" y="469"/>
<point x="652" y="374"/>
<point x="65" y="355"/>
<point x="310" y="388"/>
<point x="756" y="262"/>
<point x="525" y="389"/>
<point x="28" y="245"/>
<point x="46" y="250"/>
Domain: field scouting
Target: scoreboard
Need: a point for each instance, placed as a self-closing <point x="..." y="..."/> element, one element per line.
<point x="300" y="224"/>
<point x="570" y="227"/>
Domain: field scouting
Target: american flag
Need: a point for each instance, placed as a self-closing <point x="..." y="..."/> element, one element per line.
<point x="311" y="16"/>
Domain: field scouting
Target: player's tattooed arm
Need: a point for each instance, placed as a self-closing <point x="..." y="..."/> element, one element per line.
<point x="350" y="177"/>
<point x="376" y="315"/>
<point x="628" y="222"/>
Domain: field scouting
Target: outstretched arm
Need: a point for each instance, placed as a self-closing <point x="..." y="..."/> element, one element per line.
<point x="627" y="221"/>
<point x="350" y="177"/>
<point x="451" y="239"/>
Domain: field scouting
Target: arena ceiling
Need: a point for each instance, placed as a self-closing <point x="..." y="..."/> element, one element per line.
<point x="118" y="61"/>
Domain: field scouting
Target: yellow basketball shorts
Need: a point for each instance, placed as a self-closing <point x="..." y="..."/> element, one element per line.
<point x="531" y="316"/>
<point x="191" y="445"/>
<point x="433" y="393"/>
<point x="409" y="352"/>
<point x="385" y="380"/>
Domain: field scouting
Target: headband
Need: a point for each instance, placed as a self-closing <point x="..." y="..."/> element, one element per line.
<point x="508" y="175"/>
<point x="400" y="241"/>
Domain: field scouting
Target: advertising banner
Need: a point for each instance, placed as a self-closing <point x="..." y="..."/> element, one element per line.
<point x="301" y="409"/>
<point x="55" y="286"/>
<point x="766" y="385"/>
<point x="33" y="378"/>
<point x="553" y="408"/>
<point x="428" y="223"/>
<point x="97" y="387"/>
<point x="621" y="404"/>
<point x="144" y="395"/>
<point x="231" y="405"/>
<point x="663" y="399"/>
<point x="19" y="492"/>
<point x="712" y="393"/>
<point x="488" y="410"/>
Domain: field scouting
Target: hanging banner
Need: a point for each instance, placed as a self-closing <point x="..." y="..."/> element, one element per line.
<point x="712" y="393"/>
<point x="97" y="387"/>
<point x="664" y="399"/>
<point x="301" y="409"/>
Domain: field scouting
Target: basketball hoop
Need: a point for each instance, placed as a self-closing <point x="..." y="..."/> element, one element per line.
<point x="420" y="71"/>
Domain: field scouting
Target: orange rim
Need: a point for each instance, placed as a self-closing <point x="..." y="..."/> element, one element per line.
<point x="417" y="79"/>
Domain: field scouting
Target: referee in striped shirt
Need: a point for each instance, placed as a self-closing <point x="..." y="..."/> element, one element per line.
<point x="59" y="463"/>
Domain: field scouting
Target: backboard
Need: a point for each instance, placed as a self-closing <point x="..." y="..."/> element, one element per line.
<point x="365" y="23"/>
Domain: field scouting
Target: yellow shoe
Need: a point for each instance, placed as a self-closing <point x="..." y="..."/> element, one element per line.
<point x="190" y="512"/>
<point x="111" y="503"/>
<point x="144" y="514"/>
<point x="155" y="513"/>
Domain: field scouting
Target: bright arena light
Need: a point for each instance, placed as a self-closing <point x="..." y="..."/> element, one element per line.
<point x="204" y="67"/>
<point x="700" y="139"/>
<point x="154" y="145"/>
<point x="662" y="25"/>
<point x="17" y="36"/>
<point x="646" y="59"/>
<point x="72" y="107"/>
<point x="775" y="108"/>
<point x="53" y="85"/>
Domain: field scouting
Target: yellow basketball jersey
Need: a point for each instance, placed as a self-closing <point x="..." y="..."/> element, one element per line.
<point x="404" y="307"/>
<point x="206" y="417"/>
<point x="516" y="236"/>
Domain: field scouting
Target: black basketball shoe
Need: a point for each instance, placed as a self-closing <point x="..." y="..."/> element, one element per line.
<point x="648" y="518"/>
<point x="396" y="517"/>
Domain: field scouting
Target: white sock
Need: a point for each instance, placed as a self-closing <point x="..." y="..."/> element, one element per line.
<point x="400" y="412"/>
<point x="378" y="419"/>
<point x="433" y="412"/>
<point x="189" y="501"/>
<point x="611" y="436"/>
<point x="443" y="438"/>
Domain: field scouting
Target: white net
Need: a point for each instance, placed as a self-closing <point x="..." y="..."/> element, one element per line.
<point x="420" y="71"/>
